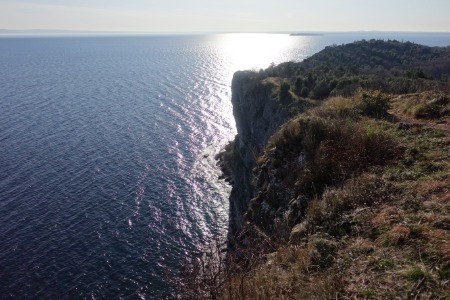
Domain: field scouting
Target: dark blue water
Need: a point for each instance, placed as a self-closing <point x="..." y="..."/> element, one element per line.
<point x="107" y="144"/>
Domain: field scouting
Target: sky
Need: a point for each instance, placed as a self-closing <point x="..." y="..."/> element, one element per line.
<point x="179" y="16"/>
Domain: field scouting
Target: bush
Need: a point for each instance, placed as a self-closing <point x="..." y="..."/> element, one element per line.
<point x="415" y="273"/>
<point x="298" y="84"/>
<point x="284" y="92"/>
<point x="365" y="103"/>
<point x="415" y="74"/>
<point x="325" y="213"/>
<point x="347" y="149"/>
<point x="335" y="150"/>
<point x="321" y="90"/>
<point x="304" y="92"/>
<point x="338" y="107"/>
<point x="373" y="104"/>
<point x="321" y="252"/>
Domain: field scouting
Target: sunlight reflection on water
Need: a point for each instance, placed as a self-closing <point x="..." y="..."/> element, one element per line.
<point x="258" y="50"/>
<point x="228" y="54"/>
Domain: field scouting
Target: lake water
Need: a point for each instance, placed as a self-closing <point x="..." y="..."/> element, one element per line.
<point x="107" y="144"/>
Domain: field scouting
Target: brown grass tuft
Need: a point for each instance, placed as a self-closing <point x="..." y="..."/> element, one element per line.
<point x="387" y="216"/>
<point x="398" y="235"/>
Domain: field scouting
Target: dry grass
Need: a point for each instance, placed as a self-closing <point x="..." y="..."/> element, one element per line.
<point x="377" y="225"/>
<point x="427" y="105"/>
<point x="387" y="215"/>
<point x="327" y="145"/>
<point x="291" y="272"/>
<point x="398" y="235"/>
<point x="337" y="107"/>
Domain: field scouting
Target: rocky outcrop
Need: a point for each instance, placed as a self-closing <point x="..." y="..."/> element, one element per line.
<point x="258" y="113"/>
<point x="276" y="205"/>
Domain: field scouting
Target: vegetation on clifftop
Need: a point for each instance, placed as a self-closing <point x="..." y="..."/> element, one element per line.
<point x="390" y="66"/>
<point x="375" y="228"/>
<point x="352" y="194"/>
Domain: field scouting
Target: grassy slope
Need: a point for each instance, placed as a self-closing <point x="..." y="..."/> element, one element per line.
<point x="381" y="233"/>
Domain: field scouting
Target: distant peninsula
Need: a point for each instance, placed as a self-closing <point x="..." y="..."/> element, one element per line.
<point x="341" y="179"/>
<point x="306" y="34"/>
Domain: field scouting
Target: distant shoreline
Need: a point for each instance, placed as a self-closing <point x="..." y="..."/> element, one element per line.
<point x="306" y="34"/>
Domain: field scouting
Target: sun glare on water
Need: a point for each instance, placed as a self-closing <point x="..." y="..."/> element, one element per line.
<point x="255" y="50"/>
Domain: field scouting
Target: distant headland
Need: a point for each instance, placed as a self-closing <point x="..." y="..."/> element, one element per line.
<point x="306" y="34"/>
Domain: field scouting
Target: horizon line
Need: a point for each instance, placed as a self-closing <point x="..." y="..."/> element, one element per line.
<point x="75" y="31"/>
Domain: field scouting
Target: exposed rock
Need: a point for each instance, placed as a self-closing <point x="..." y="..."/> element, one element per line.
<point x="298" y="233"/>
<point x="258" y="114"/>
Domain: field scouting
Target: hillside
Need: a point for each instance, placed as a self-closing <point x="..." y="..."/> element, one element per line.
<point x="341" y="179"/>
<point x="388" y="65"/>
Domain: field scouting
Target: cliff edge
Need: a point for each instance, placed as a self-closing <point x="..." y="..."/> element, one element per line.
<point x="340" y="173"/>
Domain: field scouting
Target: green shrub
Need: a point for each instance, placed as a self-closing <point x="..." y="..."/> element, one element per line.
<point x="321" y="252"/>
<point x="444" y="272"/>
<point x="321" y="90"/>
<point x="415" y="74"/>
<point x="348" y="149"/>
<point x="368" y="293"/>
<point x="373" y="104"/>
<point x="298" y="85"/>
<point x="335" y="149"/>
<point x="283" y="94"/>
<point x="304" y="92"/>
<point x="338" y="107"/>
<point x="415" y="273"/>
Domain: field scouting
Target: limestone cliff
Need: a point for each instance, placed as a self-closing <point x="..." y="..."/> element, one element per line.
<point x="258" y="113"/>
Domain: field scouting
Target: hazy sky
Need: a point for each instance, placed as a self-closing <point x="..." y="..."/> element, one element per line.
<point x="226" y="15"/>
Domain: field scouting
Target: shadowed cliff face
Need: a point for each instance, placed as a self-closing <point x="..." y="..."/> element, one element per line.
<point x="258" y="113"/>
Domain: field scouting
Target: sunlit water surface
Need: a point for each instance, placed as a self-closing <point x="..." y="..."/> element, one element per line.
<point x="107" y="145"/>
